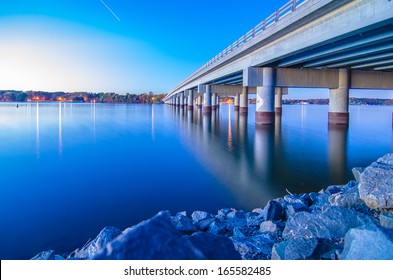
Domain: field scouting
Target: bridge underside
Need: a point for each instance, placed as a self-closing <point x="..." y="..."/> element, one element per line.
<point x="335" y="44"/>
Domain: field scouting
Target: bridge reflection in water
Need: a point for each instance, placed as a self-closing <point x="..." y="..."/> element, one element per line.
<point x="258" y="163"/>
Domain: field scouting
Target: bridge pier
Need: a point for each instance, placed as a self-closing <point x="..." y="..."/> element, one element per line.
<point x="278" y="100"/>
<point x="265" y="98"/>
<point x="182" y="99"/>
<point x="199" y="101"/>
<point x="237" y="102"/>
<point x="207" y="108"/>
<point x="218" y="101"/>
<point x="214" y="101"/>
<point x="244" y="101"/>
<point x="190" y="100"/>
<point x="339" y="99"/>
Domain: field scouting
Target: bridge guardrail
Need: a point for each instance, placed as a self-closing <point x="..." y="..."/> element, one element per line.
<point x="279" y="14"/>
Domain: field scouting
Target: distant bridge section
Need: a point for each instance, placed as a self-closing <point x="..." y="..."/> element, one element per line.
<point x="335" y="44"/>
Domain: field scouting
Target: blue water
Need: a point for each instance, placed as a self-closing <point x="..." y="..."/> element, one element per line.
<point x="68" y="170"/>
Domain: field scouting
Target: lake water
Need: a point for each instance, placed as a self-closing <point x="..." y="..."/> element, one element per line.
<point x="68" y="170"/>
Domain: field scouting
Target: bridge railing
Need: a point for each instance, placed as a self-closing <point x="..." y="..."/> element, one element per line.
<point x="288" y="8"/>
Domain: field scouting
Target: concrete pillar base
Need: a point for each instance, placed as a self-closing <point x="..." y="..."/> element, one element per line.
<point x="190" y="107"/>
<point x="243" y="110"/>
<point x="338" y="118"/>
<point x="278" y="109"/>
<point x="264" y="118"/>
<point x="181" y="106"/>
<point x="199" y="106"/>
<point x="237" y="108"/>
<point x="207" y="109"/>
<point x="214" y="107"/>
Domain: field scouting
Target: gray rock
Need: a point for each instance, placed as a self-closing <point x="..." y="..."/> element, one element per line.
<point x="236" y="222"/>
<point x="198" y="216"/>
<point x="184" y="224"/>
<point x="292" y="209"/>
<point x="214" y="247"/>
<point x="349" y="197"/>
<point x="268" y="227"/>
<point x="254" y="219"/>
<point x="218" y="227"/>
<point x="294" y="199"/>
<point x="334" y="222"/>
<point x="333" y="189"/>
<point x="258" y="210"/>
<point x="376" y="184"/>
<point x="236" y="215"/>
<point x="357" y="171"/>
<point x="367" y="243"/>
<point x="222" y="213"/>
<point x="254" y="248"/>
<point x="153" y="239"/>
<point x="278" y="250"/>
<point x="386" y="220"/>
<point x="205" y="224"/>
<point x="238" y="233"/>
<point x="301" y="249"/>
<point x="47" y="255"/>
<point x="273" y="211"/>
<point x="105" y="236"/>
<point x="319" y="201"/>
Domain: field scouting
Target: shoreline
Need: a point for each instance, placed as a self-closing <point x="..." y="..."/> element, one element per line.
<point x="352" y="221"/>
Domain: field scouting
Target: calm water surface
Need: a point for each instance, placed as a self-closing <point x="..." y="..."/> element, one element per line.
<point x="68" y="170"/>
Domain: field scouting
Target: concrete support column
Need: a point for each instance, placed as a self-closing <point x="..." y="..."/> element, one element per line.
<point x="214" y="101"/>
<point x="339" y="99"/>
<point x="244" y="101"/>
<point x="175" y="101"/>
<point x="265" y="98"/>
<point x="190" y="100"/>
<point x="278" y="100"/>
<point x="182" y="100"/>
<point x="185" y="100"/>
<point x="237" y="102"/>
<point x="207" y="108"/>
<point x="199" y="101"/>
<point x="218" y="101"/>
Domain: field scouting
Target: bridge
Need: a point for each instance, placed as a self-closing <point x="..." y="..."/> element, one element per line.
<point x="334" y="44"/>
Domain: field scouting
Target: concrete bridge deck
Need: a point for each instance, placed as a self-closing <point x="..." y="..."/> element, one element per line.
<point x="335" y="44"/>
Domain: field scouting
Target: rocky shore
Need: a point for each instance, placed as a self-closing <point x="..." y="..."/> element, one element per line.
<point x="352" y="221"/>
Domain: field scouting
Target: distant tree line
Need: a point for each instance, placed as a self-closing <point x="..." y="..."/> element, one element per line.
<point x="102" y="97"/>
<point x="352" y="101"/>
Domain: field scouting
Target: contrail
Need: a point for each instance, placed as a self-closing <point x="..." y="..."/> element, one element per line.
<point x="103" y="3"/>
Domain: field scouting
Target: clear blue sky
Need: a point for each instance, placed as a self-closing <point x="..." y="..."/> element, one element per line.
<point x="112" y="45"/>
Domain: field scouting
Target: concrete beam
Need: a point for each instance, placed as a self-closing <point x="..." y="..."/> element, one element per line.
<point x="309" y="78"/>
<point x="226" y="89"/>
<point x="371" y="80"/>
<point x="253" y="76"/>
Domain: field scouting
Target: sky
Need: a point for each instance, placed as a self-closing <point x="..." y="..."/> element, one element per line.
<point x="117" y="46"/>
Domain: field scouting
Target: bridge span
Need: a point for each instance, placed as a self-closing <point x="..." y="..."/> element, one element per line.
<point x="334" y="44"/>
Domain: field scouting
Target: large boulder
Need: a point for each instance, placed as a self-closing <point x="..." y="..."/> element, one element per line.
<point x="376" y="184"/>
<point x="367" y="243"/>
<point x="332" y="222"/>
<point x="274" y="211"/>
<point x="198" y="216"/>
<point x="183" y="224"/>
<point x="153" y="239"/>
<point x="214" y="247"/>
<point x="349" y="197"/>
<point x="92" y="248"/>
<point x="295" y="249"/>
<point x="254" y="248"/>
